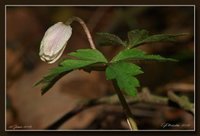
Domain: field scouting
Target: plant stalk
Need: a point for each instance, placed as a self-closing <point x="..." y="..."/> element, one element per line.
<point x="79" y="20"/>
<point x="132" y="124"/>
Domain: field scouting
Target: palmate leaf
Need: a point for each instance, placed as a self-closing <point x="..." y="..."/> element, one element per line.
<point x="89" y="54"/>
<point x="138" y="37"/>
<point x="124" y="73"/>
<point x="85" y="58"/>
<point x="109" y="39"/>
<point x="136" y="54"/>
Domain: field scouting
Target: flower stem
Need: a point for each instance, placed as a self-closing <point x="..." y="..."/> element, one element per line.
<point x="132" y="124"/>
<point x="79" y="20"/>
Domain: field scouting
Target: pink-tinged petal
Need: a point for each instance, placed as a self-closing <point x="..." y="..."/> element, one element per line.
<point x="54" y="42"/>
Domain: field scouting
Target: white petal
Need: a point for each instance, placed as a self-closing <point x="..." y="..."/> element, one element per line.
<point x="54" y="42"/>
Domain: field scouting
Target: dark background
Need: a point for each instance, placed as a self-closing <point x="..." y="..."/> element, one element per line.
<point x="26" y="66"/>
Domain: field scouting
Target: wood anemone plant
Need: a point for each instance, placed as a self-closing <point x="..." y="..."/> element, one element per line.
<point x="121" y="70"/>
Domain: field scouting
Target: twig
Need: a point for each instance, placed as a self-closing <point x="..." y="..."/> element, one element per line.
<point x="144" y="96"/>
<point x="182" y="101"/>
<point x="84" y="104"/>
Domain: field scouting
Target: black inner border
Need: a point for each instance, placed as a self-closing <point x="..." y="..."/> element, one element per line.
<point x="93" y="2"/>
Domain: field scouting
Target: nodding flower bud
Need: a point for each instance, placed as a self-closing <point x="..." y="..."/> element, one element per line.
<point x="54" y="42"/>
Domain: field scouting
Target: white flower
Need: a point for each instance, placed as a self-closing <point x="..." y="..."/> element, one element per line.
<point x="54" y="42"/>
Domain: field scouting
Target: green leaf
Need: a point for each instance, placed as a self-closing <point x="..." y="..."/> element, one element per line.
<point x="138" y="37"/>
<point x="136" y="54"/>
<point x="89" y="54"/>
<point x="109" y="39"/>
<point x="124" y="73"/>
<point x="85" y="59"/>
<point x="56" y="73"/>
